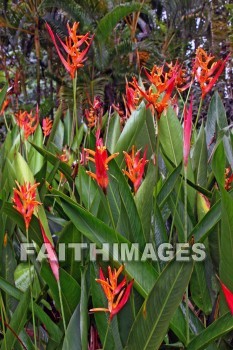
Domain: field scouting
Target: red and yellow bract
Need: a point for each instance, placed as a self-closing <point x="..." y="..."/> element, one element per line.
<point x="136" y="167"/>
<point x="24" y="199"/>
<point x="72" y="46"/>
<point x="101" y="160"/>
<point x="116" y="294"/>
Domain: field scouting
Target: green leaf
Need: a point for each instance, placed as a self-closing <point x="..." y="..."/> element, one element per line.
<point x="226" y="240"/>
<point x="152" y="321"/>
<point x="72" y="340"/>
<point x="216" y="116"/>
<point x="130" y="132"/>
<point x="53" y="330"/>
<point x="17" y="322"/>
<point x="219" y="164"/>
<point x="168" y="185"/>
<point x="98" y="232"/>
<point x="199" y="288"/>
<point x="114" y="132"/>
<point x="69" y="287"/>
<point x="170" y="136"/>
<point x="200" y="158"/>
<point x="3" y="94"/>
<point x="215" y="331"/>
<point x="56" y="121"/>
<point x="144" y="200"/>
<point x="110" y="20"/>
<point x="147" y="135"/>
<point x="35" y="159"/>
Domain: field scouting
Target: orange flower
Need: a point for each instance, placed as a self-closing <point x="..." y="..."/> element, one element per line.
<point x="116" y="294"/>
<point x="101" y="160"/>
<point x="24" y="200"/>
<point x="228" y="178"/>
<point x="131" y="99"/>
<point x="64" y="157"/>
<point x="136" y="167"/>
<point x="27" y="122"/>
<point x="158" y="95"/>
<point x="75" y="57"/>
<point x="206" y="71"/>
<point x="94" y="114"/>
<point x="47" y="125"/>
<point x="4" y="106"/>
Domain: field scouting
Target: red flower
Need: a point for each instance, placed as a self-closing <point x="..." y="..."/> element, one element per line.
<point x="116" y="294"/>
<point x="27" y="122"/>
<point x="187" y="132"/>
<point x="4" y="106"/>
<point x="75" y="57"/>
<point x="206" y="71"/>
<point x="24" y="200"/>
<point x="228" y="296"/>
<point x="101" y="160"/>
<point x="47" y="125"/>
<point x="136" y="167"/>
<point x="52" y="256"/>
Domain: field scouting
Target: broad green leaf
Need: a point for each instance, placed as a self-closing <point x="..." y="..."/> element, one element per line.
<point x="69" y="287"/>
<point x="114" y="132"/>
<point x="147" y="135"/>
<point x="98" y="232"/>
<point x="152" y="321"/>
<point x="215" y="331"/>
<point x="199" y="288"/>
<point x="17" y="322"/>
<point x="72" y="340"/>
<point x="168" y="185"/>
<point x="170" y="136"/>
<point x="56" y="121"/>
<point x="144" y="200"/>
<point x="216" y="116"/>
<point x="130" y="132"/>
<point x="84" y="309"/>
<point x="219" y="164"/>
<point x="226" y="240"/>
<point x="110" y="20"/>
<point x="35" y="159"/>
<point x="200" y="158"/>
<point x="228" y="149"/>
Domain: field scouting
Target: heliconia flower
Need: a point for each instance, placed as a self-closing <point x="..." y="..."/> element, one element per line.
<point x="228" y="295"/>
<point x="64" y="157"/>
<point x="52" y="256"/>
<point x="94" y="113"/>
<point x="47" y="125"/>
<point x="27" y="122"/>
<point x="101" y="160"/>
<point x="206" y="71"/>
<point x="158" y="97"/>
<point x="228" y="179"/>
<point x="136" y="167"/>
<point x="131" y="99"/>
<point x="72" y="45"/>
<point x="116" y="294"/>
<point x="187" y="132"/>
<point x="4" y="106"/>
<point x="24" y="199"/>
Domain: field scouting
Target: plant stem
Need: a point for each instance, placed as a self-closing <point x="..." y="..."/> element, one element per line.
<point x="75" y="121"/>
<point x="3" y="322"/>
<point x="185" y="239"/>
<point x="110" y="213"/>
<point x="62" y="307"/>
<point x="31" y="294"/>
<point x="198" y="113"/>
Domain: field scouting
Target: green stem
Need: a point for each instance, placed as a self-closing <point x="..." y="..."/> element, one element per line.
<point x="185" y="239"/>
<point x="75" y="121"/>
<point x="62" y="307"/>
<point x="3" y="322"/>
<point x="110" y="213"/>
<point x="7" y="127"/>
<point x="31" y="295"/>
<point x="198" y="114"/>
<point x="106" y="336"/>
